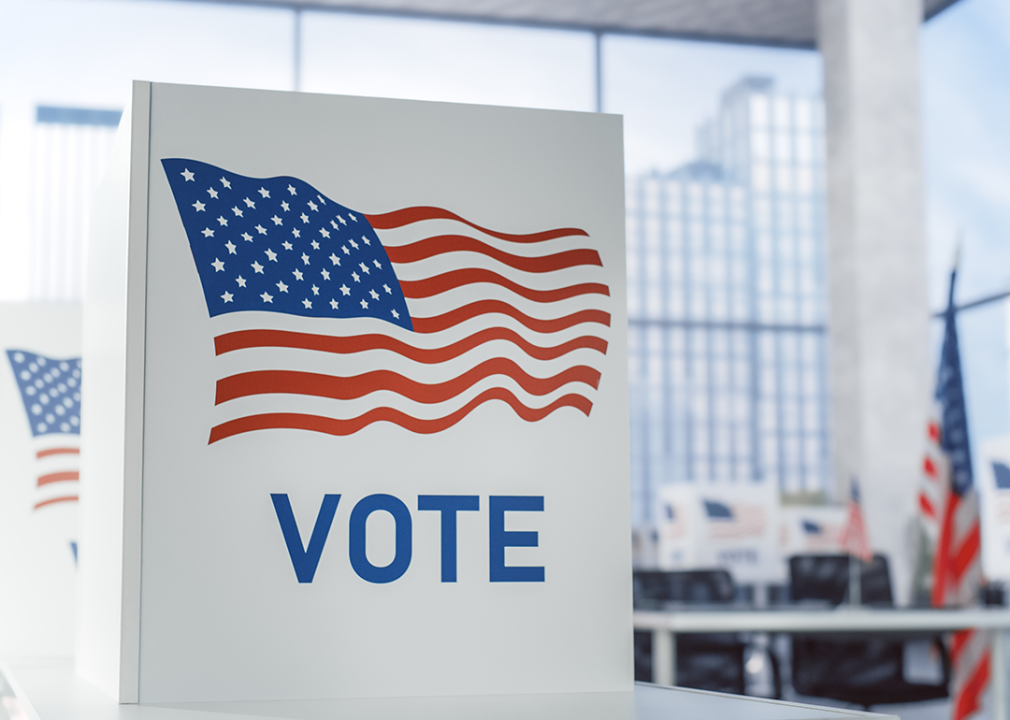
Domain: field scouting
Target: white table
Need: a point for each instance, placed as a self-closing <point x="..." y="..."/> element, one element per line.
<point x="666" y="624"/>
<point x="53" y="692"/>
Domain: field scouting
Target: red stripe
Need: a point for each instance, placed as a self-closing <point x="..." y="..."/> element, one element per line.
<point x="361" y="343"/>
<point x="941" y="560"/>
<point x="458" y="278"/>
<point x="926" y="505"/>
<point x="958" y="642"/>
<point x="430" y="247"/>
<point x="486" y="307"/>
<point x="406" y="216"/>
<point x="929" y="467"/>
<point x="331" y="426"/>
<point x="58" y="477"/>
<point x="934" y="432"/>
<point x="969" y="699"/>
<point x="263" y="382"/>
<point x="57" y="451"/>
<point x="967" y="554"/>
<point x="51" y="501"/>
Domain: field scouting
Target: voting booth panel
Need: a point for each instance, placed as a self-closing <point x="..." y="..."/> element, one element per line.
<point x="40" y="385"/>
<point x="366" y="376"/>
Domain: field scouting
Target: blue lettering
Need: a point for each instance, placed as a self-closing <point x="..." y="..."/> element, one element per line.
<point x="305" y="560"/>
<point x="401" y="560"/>
<point x="448" y="506"/>
<point x="500" y="538"/>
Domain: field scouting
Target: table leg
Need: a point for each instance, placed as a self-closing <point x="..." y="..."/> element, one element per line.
<point x="664" y="657"/>
<point x="998" y="674"/>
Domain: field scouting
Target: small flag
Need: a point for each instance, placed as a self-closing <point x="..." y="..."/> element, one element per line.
<point x="854" y="538"/>
<point x="51" y="393"/>
<point x="737" y="520"/>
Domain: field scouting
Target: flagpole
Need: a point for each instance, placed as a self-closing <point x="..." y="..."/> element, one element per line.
<point x="855" y="580"/>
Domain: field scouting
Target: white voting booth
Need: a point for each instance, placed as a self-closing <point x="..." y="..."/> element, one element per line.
<point x="40" y="384"/>
<point x="356" y="421"/>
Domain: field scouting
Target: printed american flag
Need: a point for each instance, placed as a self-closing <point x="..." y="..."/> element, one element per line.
<point x="328" y="319"/>
<point x="957" y="563"/>
<point x="854" y="539"/>
<point x="737" y="520"/>
<point x="50" y="389"/>
<point x="820" y="536"/>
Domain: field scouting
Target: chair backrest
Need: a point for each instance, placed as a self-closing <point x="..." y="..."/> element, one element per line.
<point x="826" y="578"/>
<point x="696" y="587"/>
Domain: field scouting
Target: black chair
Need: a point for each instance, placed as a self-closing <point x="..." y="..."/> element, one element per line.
<point x="862" y="670"/>
<point x="704" y="661"/>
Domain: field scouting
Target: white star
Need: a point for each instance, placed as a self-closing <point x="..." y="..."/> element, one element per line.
<point x="296" y="232"/>
<point x="264" y="192"/>
<point x="366" y="240"/>
<point x="353" y="244"/>
<point x="342" y="221"/>
<point x="248" y="202"/>
<point x="324" y="232"/>
<point x="282" y="287"/>
<point x="375" y="295"/>
<point x="257" y="267"/>
<point x="271" y="255"/>
<point x="307" y="303"/>
<point x="313" y="207"/>
<point x="315" y="245"/>
<point x="334" y="304"/>
<point x="218" y="265"/>
<point x="364" y="268"/>
<point x="227" y="296"/>
<point x="351" y="216"/>
<point x="222" y="221"/>
<point x="207" y="232"/>
<point x="321" y="199"/>
<point x="291" y="190"/>
<point x="247" y="237"/>
<point x="356" y="277"/>
<point x="231" y="247"/>
<point x="376" y="264"/>
<point x="238" y="213"/>
<point x="305" y="218"/>
<point x="213" y="192"/>
<point x="396" y="315"/>
<point x="267" y="297"/>
<point x="345" y="290"/>
<point x="335" y="226"/>
<point x="346" y="251"/>
<point x="364" y="304"/>
<point x="334" y="258"/>
<point x="315" y="290"/>
<point x="188" y="175"/>
<point x="297" y="274"/>
<point x="284" y="206"/>
<point x="305" y="258"/>
<point x="277" y="220"/>
<point x="386" y="288"/>
<point x="261" y="230"/>
<point x="225" y="182"/>
<point x="326" y="274"/>
<point x="199" y="206"/>
<point x="240" y="280"/>
<point x="287" y="245"/>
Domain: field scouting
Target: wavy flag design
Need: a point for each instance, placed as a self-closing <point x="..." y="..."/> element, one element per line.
<point x="50" y="390"/>
<point x="328" y="319"/>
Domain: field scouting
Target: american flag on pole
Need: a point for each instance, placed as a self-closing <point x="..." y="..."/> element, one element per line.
<point x="50" y="389"/>
<point x="854" y="539"/>
<point x="329" y="319"/>
<point x="957" y="560"/>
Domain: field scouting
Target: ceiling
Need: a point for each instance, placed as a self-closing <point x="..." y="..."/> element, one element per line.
<point x="781" y="23"/>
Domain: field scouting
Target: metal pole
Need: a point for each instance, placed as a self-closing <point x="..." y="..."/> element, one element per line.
<point x="599" y="70"/>
<point x="664" y="657"/>
<point x="855" y="580"/>
<point x="999" y="675"/>
<point x="297" y="50"/>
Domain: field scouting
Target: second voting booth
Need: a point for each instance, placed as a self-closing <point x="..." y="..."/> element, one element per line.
<point x="356" y="417"/>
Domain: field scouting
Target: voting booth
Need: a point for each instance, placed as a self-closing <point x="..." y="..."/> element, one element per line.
<point x="40" y="400"/>
<point x="356" y="418"/>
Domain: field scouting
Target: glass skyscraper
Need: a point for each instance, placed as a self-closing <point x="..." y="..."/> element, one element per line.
<point x="727" y="293"/>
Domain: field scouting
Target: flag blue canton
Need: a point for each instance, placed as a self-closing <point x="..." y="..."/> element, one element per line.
<point x="50" y="390"/>
<point x="279" y="245"/>
<point x="950" y="395"/>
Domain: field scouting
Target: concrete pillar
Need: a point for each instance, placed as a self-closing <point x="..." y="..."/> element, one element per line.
<point x="881" y="376"/>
